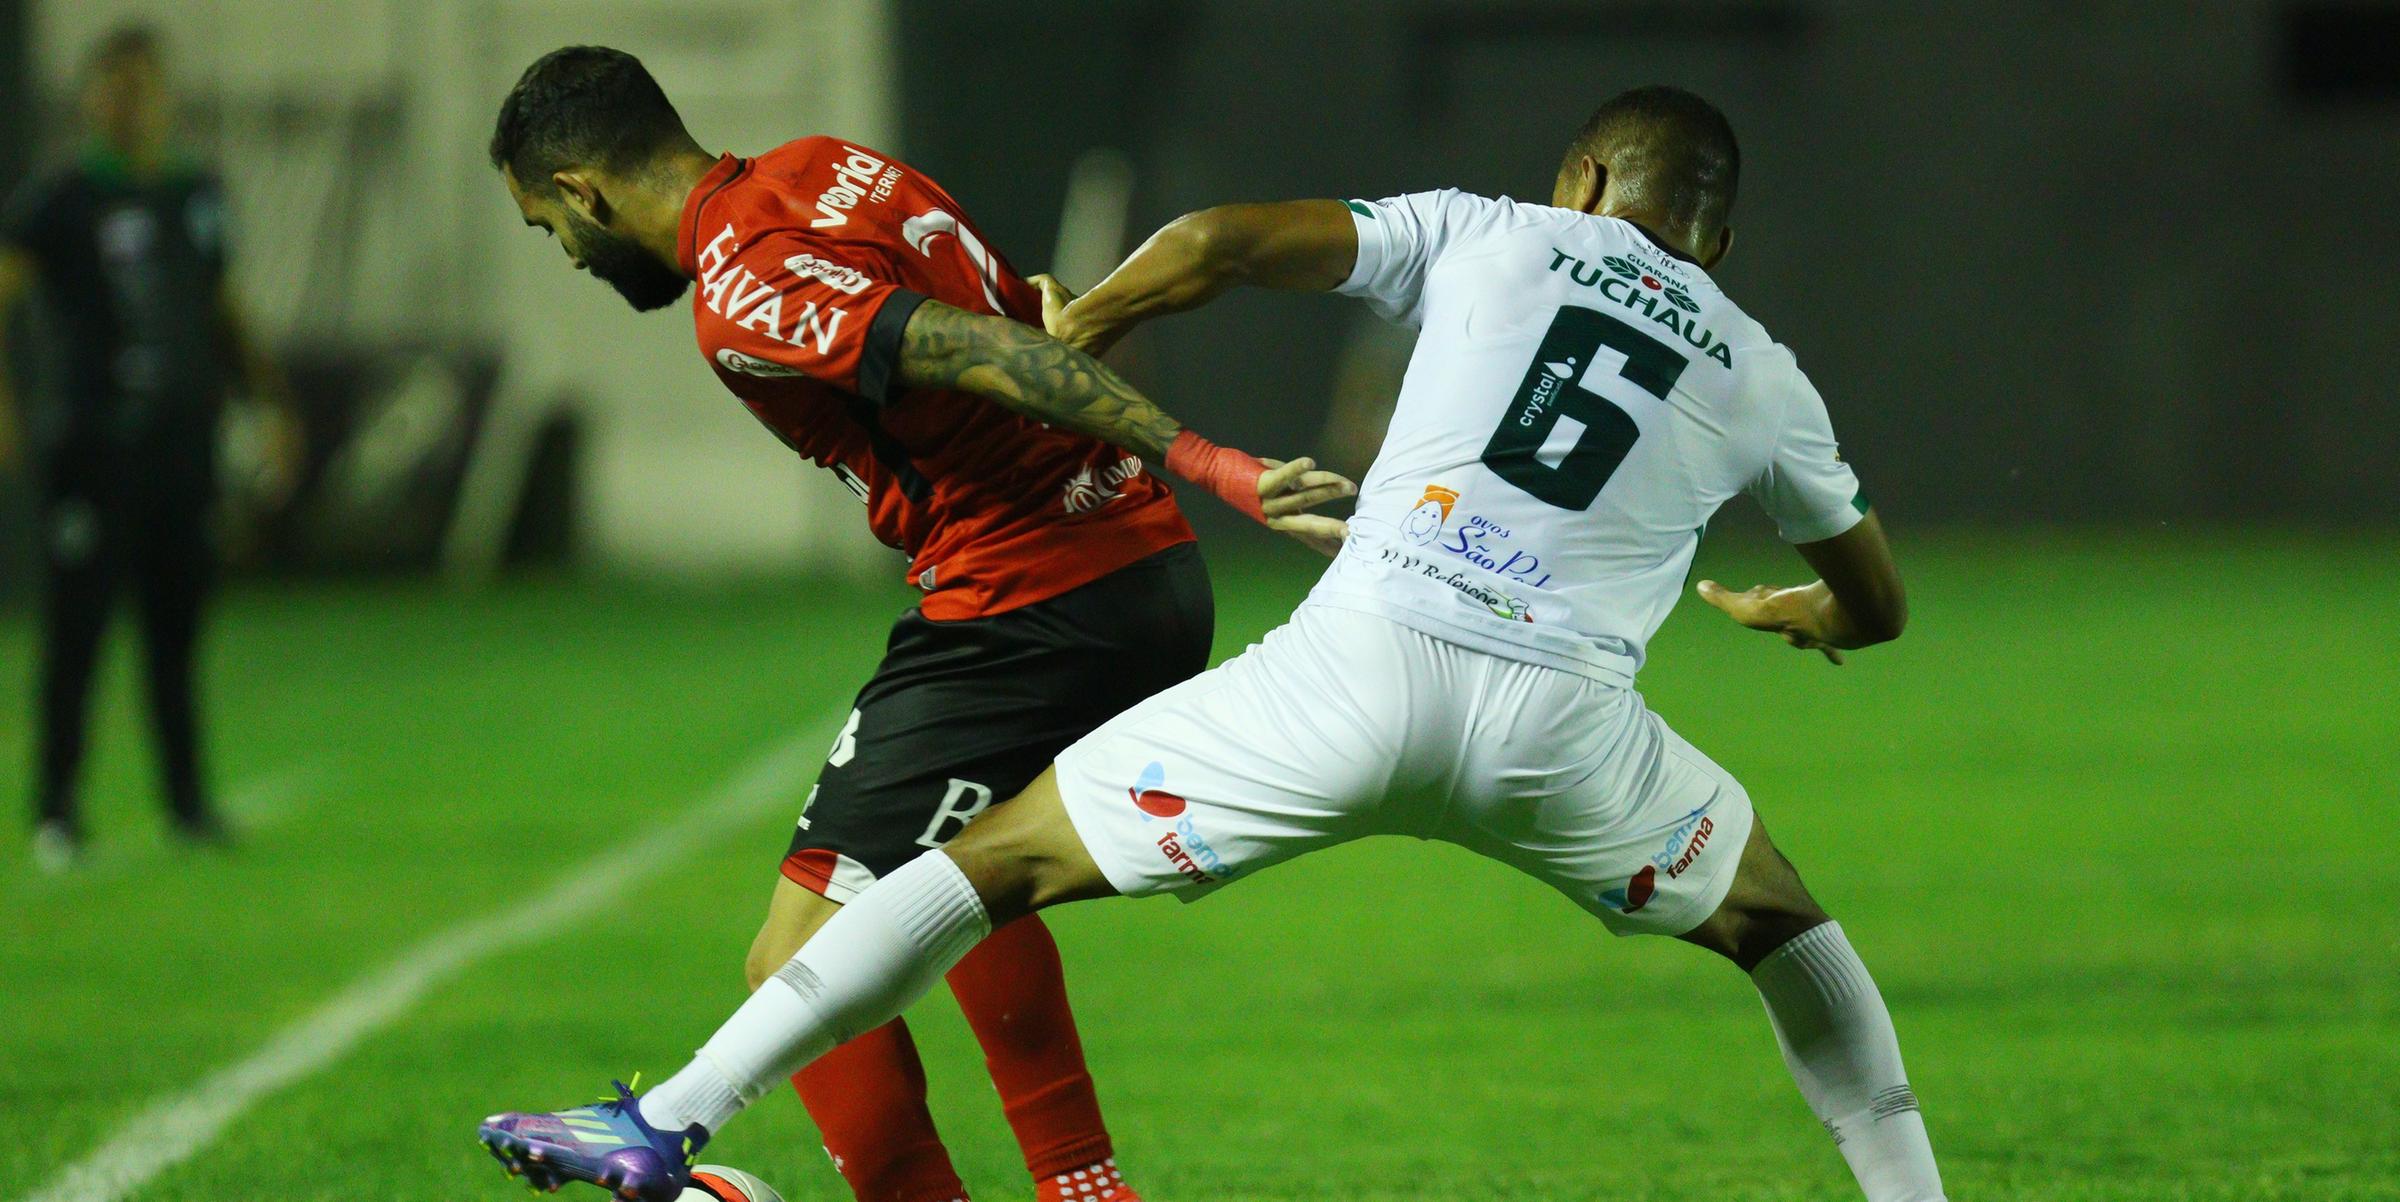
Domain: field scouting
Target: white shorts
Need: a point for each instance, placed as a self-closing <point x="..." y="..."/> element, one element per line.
<point x="1343" y="724"/>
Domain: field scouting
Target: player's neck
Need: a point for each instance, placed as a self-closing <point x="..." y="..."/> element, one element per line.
<point x="666" y="188"/>
<point x="1683" y="247"/>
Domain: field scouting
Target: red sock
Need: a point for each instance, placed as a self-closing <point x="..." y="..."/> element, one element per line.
<point x="1014" y="995"/>
<point x="868" y="1099"/>
<point x="1099" y="1183"/>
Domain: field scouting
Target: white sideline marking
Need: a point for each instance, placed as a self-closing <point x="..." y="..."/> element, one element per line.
<point x="179" y="1125"/>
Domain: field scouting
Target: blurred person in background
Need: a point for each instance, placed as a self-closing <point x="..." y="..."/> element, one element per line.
<point x="124" y="247"/>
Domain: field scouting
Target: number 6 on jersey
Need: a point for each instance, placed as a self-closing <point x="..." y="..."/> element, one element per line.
<point x="1566" y="429"/>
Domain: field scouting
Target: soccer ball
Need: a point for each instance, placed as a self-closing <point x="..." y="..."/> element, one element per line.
<point x="716" y="1183"/>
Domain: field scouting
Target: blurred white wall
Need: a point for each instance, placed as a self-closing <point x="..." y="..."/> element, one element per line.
<point x="300" y="101"/>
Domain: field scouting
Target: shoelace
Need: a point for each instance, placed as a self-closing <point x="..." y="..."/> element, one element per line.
<point x="625" y="1103"/>
<point x="624" y="1096"/>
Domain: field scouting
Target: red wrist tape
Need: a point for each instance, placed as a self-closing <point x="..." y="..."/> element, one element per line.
<point x="1231" y="474"/>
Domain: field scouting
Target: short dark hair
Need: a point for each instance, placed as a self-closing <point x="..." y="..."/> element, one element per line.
<point x="127" y="43"/>
<point x="1671" y="150"/>
<point x="583" y="106"/>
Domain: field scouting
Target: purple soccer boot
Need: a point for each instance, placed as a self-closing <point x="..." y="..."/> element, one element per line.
<point x="606" y="1144"/>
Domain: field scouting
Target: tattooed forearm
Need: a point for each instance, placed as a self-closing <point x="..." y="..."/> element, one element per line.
<point x="1026" y="370"/>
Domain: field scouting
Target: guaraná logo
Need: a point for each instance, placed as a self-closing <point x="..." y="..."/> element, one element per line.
<point x="1626" y="270"/>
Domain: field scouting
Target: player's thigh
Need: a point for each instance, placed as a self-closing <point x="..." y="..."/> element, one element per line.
<point x="1290" y="747"/>
<point x="961" y="716"/>
<point x="1766" y="906"/>
<point x="170" y="542"/>
<point x="1026" y="855"/>
<point x="1602" y="801"/>
<point x="794" y="913"/>
<point x="941" y="733"/>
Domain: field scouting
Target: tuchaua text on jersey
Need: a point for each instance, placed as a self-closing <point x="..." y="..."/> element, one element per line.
<point x="1644" y="296"/>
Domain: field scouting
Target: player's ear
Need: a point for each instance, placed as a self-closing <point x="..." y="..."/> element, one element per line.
<point x="1724" y="244"/>
<point x="1590" y="184"/>
<point x="581" y="194"/>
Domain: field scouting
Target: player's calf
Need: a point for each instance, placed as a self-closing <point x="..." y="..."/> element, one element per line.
<point x="1829" y="1019"/>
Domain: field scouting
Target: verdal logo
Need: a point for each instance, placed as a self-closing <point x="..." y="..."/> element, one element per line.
<point x="854" y="179"/>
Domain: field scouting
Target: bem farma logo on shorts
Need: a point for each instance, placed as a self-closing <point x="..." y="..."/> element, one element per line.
<point x="1185" y="849"/>
<point x="1683" y="844"/>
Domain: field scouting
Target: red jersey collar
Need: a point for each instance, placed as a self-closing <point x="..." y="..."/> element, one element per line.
<point x="687" y="246"/>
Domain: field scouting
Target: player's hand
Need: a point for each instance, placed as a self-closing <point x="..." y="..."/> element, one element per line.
<point x="1055" y="319"/>
<point x="1797" y="614"/>
<point x="1289" y="490"/>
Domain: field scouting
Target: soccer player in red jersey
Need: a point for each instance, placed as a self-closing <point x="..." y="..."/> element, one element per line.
<point x="854" y="308"/>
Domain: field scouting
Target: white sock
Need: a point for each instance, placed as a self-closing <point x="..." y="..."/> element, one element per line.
<point x="1838" y="1041"/>
<point x="859" y="971"/>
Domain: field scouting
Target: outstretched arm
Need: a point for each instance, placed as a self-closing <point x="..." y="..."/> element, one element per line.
<point x="1299" y="245"/>
<point x="1023" y="369"/>
<point x="1857" y="601"/>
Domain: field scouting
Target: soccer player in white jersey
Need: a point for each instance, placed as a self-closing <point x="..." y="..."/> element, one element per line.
<point x="1581" y="399"/>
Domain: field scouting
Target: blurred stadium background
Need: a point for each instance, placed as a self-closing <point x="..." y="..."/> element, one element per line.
<point x="2101" y="295"/>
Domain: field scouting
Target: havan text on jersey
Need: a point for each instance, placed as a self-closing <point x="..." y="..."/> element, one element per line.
<point x="738" y="296"/>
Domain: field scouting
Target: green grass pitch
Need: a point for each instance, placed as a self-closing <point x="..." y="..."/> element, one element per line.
<point x="2113" y="826"/>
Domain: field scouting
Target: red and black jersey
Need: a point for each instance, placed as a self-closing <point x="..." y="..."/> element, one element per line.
<point x="810" y="260"/>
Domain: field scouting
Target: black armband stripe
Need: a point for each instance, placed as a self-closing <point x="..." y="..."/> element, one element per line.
<point x="879" y="362"/>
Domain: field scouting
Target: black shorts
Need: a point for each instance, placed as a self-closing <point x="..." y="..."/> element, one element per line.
<point x="963" y="714"/>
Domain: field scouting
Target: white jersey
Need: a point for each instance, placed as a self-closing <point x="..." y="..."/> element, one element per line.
<point x="1580" y="402"/>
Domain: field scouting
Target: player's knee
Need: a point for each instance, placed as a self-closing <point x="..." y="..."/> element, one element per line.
<point x="1766" y="907"/>
<point x="793" y="915"/>
<point x="1760" y="931"/>
<point x="767" y="956"/>
<point x="1746" y="933"/>
<point x="1025" y="856"/>
<point x="1011" y="877"/>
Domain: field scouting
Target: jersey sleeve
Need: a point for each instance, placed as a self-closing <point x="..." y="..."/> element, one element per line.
<point x="788" y="307"/>
<point x="1399" y="240"/>
<point x="1806" y="488"/>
